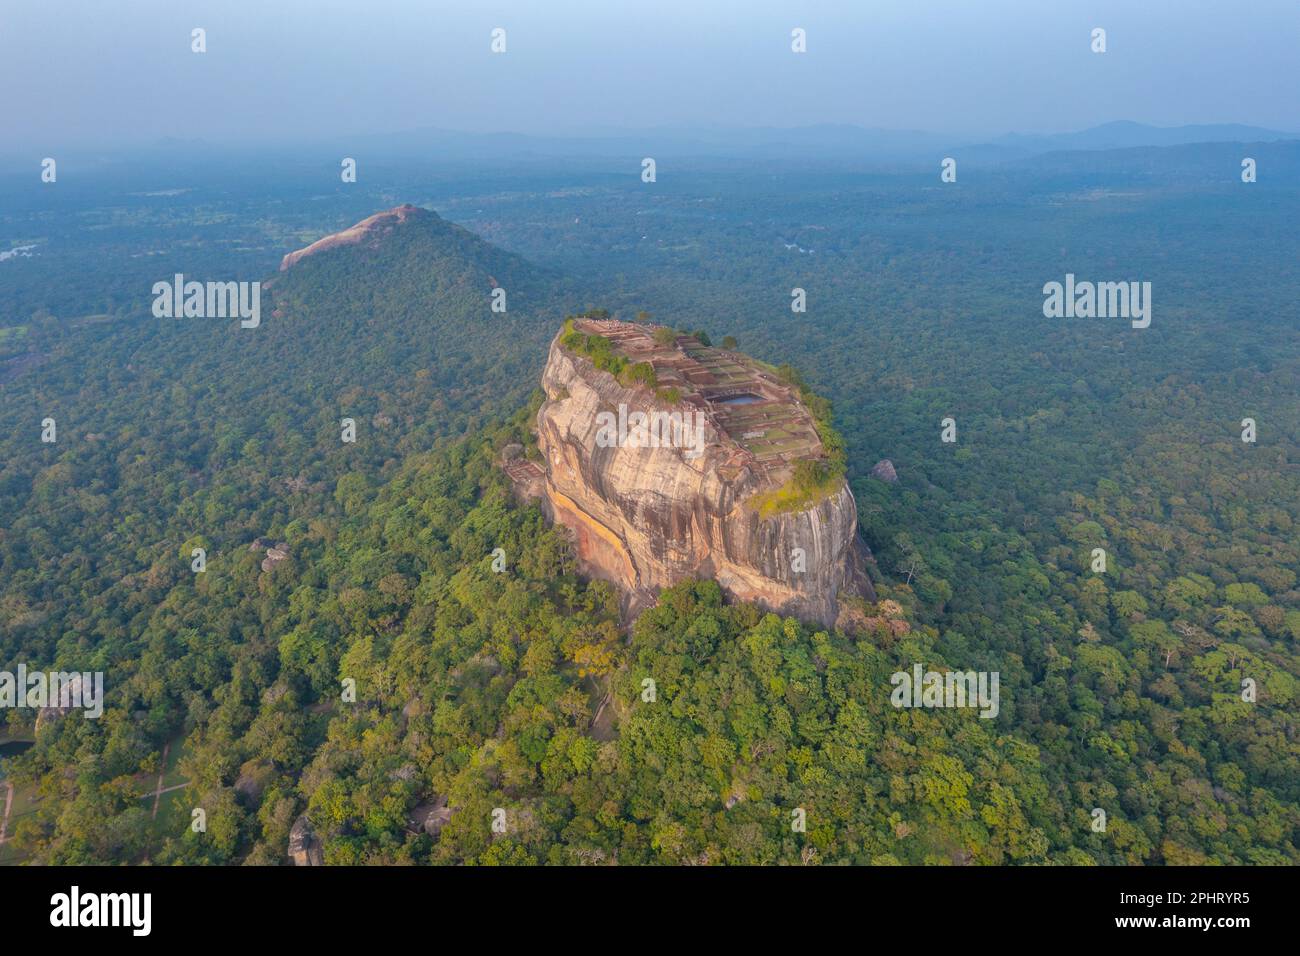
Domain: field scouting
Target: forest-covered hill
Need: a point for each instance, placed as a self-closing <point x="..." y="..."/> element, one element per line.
<point x="173" y="432"/>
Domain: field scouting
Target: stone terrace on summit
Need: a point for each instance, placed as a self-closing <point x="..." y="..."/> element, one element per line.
<point x="762" y="416"/>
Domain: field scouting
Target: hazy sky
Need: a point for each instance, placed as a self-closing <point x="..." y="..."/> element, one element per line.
<point x="113" y="71"/>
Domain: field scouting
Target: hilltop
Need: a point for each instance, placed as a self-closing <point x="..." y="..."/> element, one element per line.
<point x="369" y="231"/>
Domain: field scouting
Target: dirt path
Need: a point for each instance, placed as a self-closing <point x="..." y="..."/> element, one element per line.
<point x="602" y="724"/>
<point x="9" y="803"/>
<point x="175" y="786"/>
<point x="158" y="791"/>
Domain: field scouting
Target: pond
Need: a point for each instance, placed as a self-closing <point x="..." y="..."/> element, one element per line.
<point x="745" y="399"/>
<point x="12" y="748"/>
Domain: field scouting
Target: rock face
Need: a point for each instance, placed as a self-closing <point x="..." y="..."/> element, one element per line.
<point x="370" y="230"/>
<point x="304" y="848"/>
<point x="646" y="514"/>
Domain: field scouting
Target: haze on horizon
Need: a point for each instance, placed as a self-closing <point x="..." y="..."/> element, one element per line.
<point x="88" y="73"/>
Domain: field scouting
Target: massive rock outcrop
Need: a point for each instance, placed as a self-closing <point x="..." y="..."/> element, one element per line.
<point x="369" y="231"/>
<point x="678" y="495"/>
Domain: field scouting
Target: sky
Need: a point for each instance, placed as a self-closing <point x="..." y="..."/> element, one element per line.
<point x="122" y="72"/>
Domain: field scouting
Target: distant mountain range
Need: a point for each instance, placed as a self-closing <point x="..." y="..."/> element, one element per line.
<point x="1118" y="135"/>
<point x="831" y="142"/>
<point x="1125" y="134"/>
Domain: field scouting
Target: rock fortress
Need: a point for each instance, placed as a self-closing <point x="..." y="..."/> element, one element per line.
<point x="670" y="459"/>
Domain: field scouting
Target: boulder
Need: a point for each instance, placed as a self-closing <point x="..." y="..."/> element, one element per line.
<point x="304" y="848"/>
<point x="884" y="470"/>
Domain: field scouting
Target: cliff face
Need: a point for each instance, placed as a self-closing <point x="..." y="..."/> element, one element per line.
<point x="646" y="514"/>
